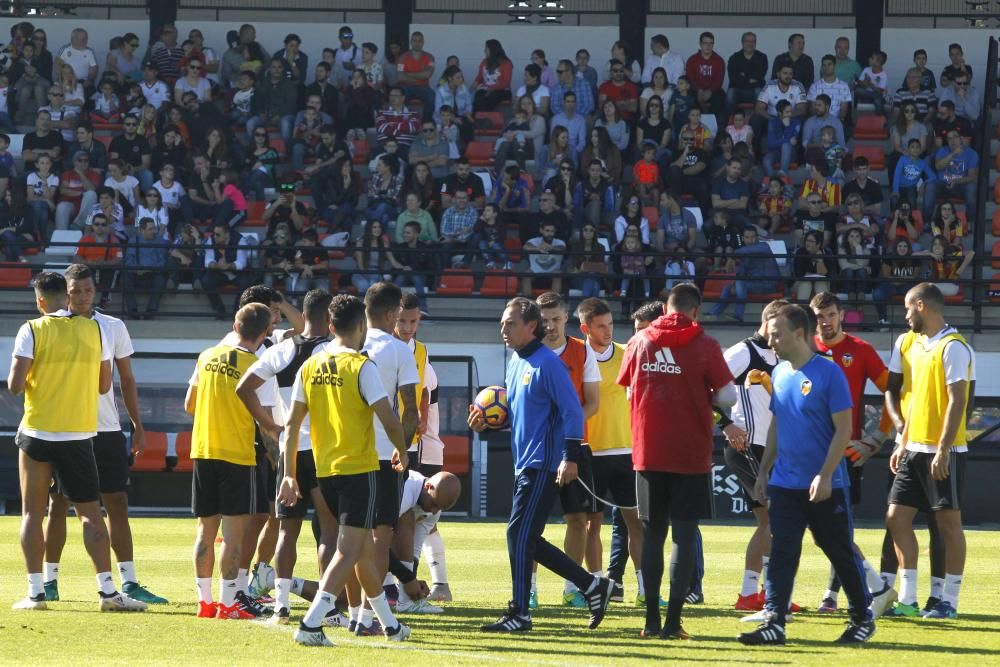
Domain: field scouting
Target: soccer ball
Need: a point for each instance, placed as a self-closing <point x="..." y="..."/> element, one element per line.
<point x="492" y="402"/>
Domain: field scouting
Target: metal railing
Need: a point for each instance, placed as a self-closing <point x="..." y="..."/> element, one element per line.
<point x="984" y="136"/>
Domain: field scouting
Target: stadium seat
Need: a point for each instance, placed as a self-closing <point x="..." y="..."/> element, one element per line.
<point x="996" y="191"/>
<point x="479" y="153"/>
<point x="995" y="254"/>
<point x="500" y="283"/>
<point x="104" y="139"/>
<point x="153" y="457"/>
<point x="63" y="242"/>
<point x="456" y="453"/>
<point x="996" y="222"/>
<point x="456" y="283"/>
<point x="715" y="284"/>
<point x="778" y="293"/>
<point x="361" y="151"/>
<point x="489" y="123"/>
<point x="652" y="215"/>
<point x="14" y="275"/>
<point x="255" y="214"/>
<point x="513" y="246"/>
<point x="875" y="155"/>
<point x="871" y="127"/>
<point x="918" y="220"/>
<point x="278" y="144"/>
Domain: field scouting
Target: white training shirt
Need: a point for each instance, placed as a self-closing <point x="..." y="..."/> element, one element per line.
<point x="772" y="93"/>
<point x="752" y="412"/>
<point x="424" y="522"/>
<point x="431" y="445"/>
<point x="959" y="365"/>
<point x="369" y="383"/>
<point x="120" y="342"/>
<point x="267" y="393"/>
<point x="24" y="346"/>
<point x="397" y="368"/>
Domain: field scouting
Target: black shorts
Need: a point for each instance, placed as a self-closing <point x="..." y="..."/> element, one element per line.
<point x="669" y="495"/>
<point x="352" y="498"/>
<point x="267" y="481"/>
<point x="575" y="499"/>
<point x="73" y="465"/>
<point x="429" y="469"/>
<point x="305" y="475"/>
<point x="915" y="487"/>
<point x="390" y="492"/>
<point x="111" y="453"/>
<point x="745" y="465"/>
<point x="221" y="487"/>
<point x="614" y="479"/>
<point x="855" y="475"/>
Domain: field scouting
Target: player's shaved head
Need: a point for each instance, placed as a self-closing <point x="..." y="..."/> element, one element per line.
<point x="684" y="298"/>
<point x="442" y="491"/>
<point x="929" y="293"/>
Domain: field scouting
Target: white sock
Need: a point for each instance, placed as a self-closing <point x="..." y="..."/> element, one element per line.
<point x="831" y="594"/>
<point x="434" y="557"/>
<point x="952" y="587"/>
<point x="366" y="615"/>
<point x="907" y="586"/>
<point x="872" y="578"/>
<point x="889" y="578"/>
<point x="297" y="584"/>
<point x="126" y="571"/>
<point x="568" y="587"/>
<point x="763" y="570"/>
<point x="243" y="580"/>
<point x="751" y="582"/>
<point x="106" y="583"/>
<point x="638" y="579"/>
<point x="354" y="613"/>
<point x="227" y="592"/>
<point x="204" y="585"/>
<point x="51" y="571"/>
<point x="937" y="587"/>
<point x="317" y="610"/>
<point x="283" y="589"/>
<point x="534" y="581"/>
<point x="36" y="584"/>
<point x="381" y="608"/>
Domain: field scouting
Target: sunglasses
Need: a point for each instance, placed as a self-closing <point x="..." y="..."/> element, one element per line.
<point x="134" y="45"/>
<point x="617" y="71"/>
<point x="560" y="71"/>
<point x="260" y="134"/>
<point x="962" y="83"/>
<point x="194" y="67"/>
<point x="131" y="125"/>
<point x="56" y="94"/>
<point x="99" y="224"/>
<point x="565" y="169"/>
<point x="428" y="130"/>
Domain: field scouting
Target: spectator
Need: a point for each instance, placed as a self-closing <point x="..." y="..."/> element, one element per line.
<point x="782" y="140"/>
<point x="384" y="188"/>
<point x="512" y="195"/>
<point x="183" y="257"/>
<point x="705" y="71"/>
<point x="311" y="264"/>
<point x="677" y="228"/>
<point x="811" y="267"/>
<point x="97" y="154"/>
<point x="209" y="59"/>
<point x="133" y="150"/>
<point x="42" y="188"/>
<point x="42" y="141"/>
<point x="262" y="163"/>
<point x="584" y="69"/>
<point x="423" y="183"/>
<point x="193" y="82"/>
<point x="853" y="258"/>
<point x="747" y="69"/>
<point x="631" y="216"/>
<point x="612" y="123"/>
<point x="820" y="183"/>
<point x="152" y="207"/>
<point x="286" y="209"/>
<point x="30" y="87"/>
<point x="739" y="129"/>
<point x="948" y="262"/>
<point x="372" y="253"/>
<point x="926" y="76"/>
<point x="489" y="239"/>
<point x="274" y="101"/>
<point x="756" y="273"/>
<point x="79" y="57"/>
<point x="227" y="260"/>
<point x="17" y="226"/>
<point x="654" y="128"/>
<point x="493" y="78"/>
<point x="414" y="213"/>
<point x="731" y="193"/>
<point x="414" y="262"/>
<point x="112" y="212"/>
<point x="145" y="269"/>
<point x="373" y="68"/>
<point x="600" y="149"/>
<point x="330" y="151"/>
<point x="548" y="77"/>
<point x="454" y="94"/>
<point x="848" y="69"/>
<point x="325" y="89"/>
<point x="125" y="187"/>
<point x="559" y="150"/>
<point x="873" y="83"/>
<point x="347" y="56"/>
<point x="575" y="124"/>
<point x="105" y="103"/>
<point x="803" y="69"/>
<point x="200" y="203"/>
<point x="957" y="167"/>
<point x="688" y="174"/>
<point x="232" y="209"/>
<point x="945" y="122"/>
<point x="913" y="92"/>
<point x="232" y="59"/>
<point x="415" y="72"/>
<point x="361" y="101"/>
<point x="61" y="117"/>
<point x="339" y="197"/>
<point x="857" y="218"/>
<point x="99" y="249"/>
<point x="621" y="91"/>
<point x="167" y="54"/>
<point x="621" y="52"/>
<point x="633" y="265"/>
<point x="44" y="58"/>
<point x="913" y="179"/>
<point x="966" y="98"/>
<point x="722" y="238"/>
<point x="571" y="85"/>
<point x="216" y="151"/>
<point x="254" y="54"/>
<point x="431" y="151"/>
<point x="783" y="88"/>
<point x="295" y="62"/>
<point x="458" y="225"/>
<point x="947" y="225"/>
<point x="681" y="102"/>
<point x="306" y="135"/>
<point x="171" y="151"/>
<point x="813" y="128"/>
<point x="463" y="179"/>
<point x="659" y="88"/>
<point x="241" y="110"/>
<point x="534" y="88"/>
<point x="397" y="121"/>
<point x="774" y="207"/>
<point x="153" y="90"/>
<point x="545" y="257"/>
<point x="703" y="136"/>
<point x="869" y="189"/>
<point x="906" y="128"/>
<point x="589" y="258"/>
<point x="593" y="201"/>
<point x="520" y="136"/>
<point x="812" y="218"/>
<point x="279" y="257"/>
<point x="957" y="66"/>
<point x="838" y="93"/>
<point x="77" y="192"/>
<point x="900" y="272"/>
<point x="671" y="62"/>
<point x="148" y="124"/>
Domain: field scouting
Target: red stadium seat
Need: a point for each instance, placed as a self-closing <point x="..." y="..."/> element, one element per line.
<point x="513" y="246"/>
<point x="104" y="139"/>
<point x="14" y="275"/>
<point x="652" y="215"/>
<point x="489" y="123"/>
<point x="361" y="151"/>
<point x="996" y="191"/>
<point x="456" y="454"/>
<point x="500" y="283"/>
<point x="278" y="144"/>
<point x="255" y="214"/>
<point x="875" y="155"/>
<point x="996" y="222"/>
<point x="995" y="254"/>
<point x="456" y="283"/>
<point x="872" y="127"/>
<point x="153" y="456"/>
<point x="715" y="284"/>
<point x="479" y="153"/>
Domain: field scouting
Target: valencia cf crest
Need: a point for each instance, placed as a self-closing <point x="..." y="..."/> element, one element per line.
<point x="806" y="387"/>
<point x="526" y="378"/>
<point x="847" y="360"/>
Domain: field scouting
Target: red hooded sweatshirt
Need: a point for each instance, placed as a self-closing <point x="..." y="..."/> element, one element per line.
<point x="671" y="369"/>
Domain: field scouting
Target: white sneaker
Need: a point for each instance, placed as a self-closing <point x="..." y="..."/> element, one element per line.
<point x="121" y="602"/>
<point x="440" y="593"/>
<point x="764" y="616"/>
<point x="334" y="619"/>
<point x="398" y="634"/>
<point x="311" y="637"/>
<point x="279" y="617"/>
<point x="882" y="601"/>
<point x="417" y="607"/>
<point x="30" y="604"/>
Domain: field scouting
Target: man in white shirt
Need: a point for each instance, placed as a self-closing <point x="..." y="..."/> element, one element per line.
<point x="80" y="57"/>
<point x="663" y="57"/>
<point x="784" y="87"/>
<point x="828" y="84"/>
<point x="347" y="57"/>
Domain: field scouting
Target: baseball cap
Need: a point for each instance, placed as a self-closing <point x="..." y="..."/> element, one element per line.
<point x="346" y="31"/>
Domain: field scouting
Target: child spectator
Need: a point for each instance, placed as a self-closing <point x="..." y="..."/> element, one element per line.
<point x="873" y="83"/>
<point x="233" y="207"/>
<point x="947" y="264"/>
<point x="489" y="238"/>
<point x="171" y="193"/>
<point x="514" y="143"/>
<point x="124" y="185"/>
<point x="241" y="109"/>
<point x="723" y="237"/>
<point x="682" y="101"/>
<point x="701" y="133"/>
<point x="820" y="183"/>
<point x="42" y="188"/>
<point x="107" y="106"/>
<point x="739" y="130"/>
<point x="633" y="270"/>
<point x="774" y="206"/>
<point x="833" y="153"/>
<point x="782" y="140"/>
<point x="913" y="180"/>
<point x="646" y="176"/>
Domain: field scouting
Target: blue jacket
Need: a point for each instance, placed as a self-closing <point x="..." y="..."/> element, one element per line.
<point x="146" y="254"/>
<point x="546" y="419"/>
<point x="778" y="134"/>
<point x="909" y="172"/>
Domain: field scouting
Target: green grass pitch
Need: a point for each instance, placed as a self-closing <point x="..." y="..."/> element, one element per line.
<point x="74" y="633"/>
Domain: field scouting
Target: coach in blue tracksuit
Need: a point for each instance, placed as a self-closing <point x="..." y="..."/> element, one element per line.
<point x="546" y="424"/>
<point x="803" y="477"/>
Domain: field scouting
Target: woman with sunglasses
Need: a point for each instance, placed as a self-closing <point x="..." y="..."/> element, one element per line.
<point x="563" y="186"/>
<point x="193" y="82"/>
<point x="152" y="207"/>
<point x="901" y="225"/>
<point x="123" y="65"/>
<point x="908" y="127"/>
<point x="43" y="57"/>
<point x="261" y="163"/>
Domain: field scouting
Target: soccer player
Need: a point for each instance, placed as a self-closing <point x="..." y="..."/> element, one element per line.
<point x="929" y="463"/>
<point x="398" y="370"/>
<point x="860" y="363"/>
<point x="429" y="451"/>
<point x="752" y="361"/>
<point x="223" y="489"/>
<point x="675" y="373"/>
<point x="808" y="486"/>
<point x="577" y="503"/>
<point x="61" y="363"/>
<point x="546" y="426"/>
<point x="110" y="450"/>
<point x="646" y="314"/>
<point x="610" y="437"/>
<point x="342" y="391"/>
<point x="282" y="362"/>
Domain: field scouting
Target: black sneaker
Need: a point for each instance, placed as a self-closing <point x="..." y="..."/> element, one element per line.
<point x="931" y="603"/>
<point x="695" y="597"/>
<point x="249" y="605"/>
<point x="511" y="621"/>
<point x="766" y="634"/>
<point x="674" y="633"/>
<point x="857" y="633"/>
<point x="617" y="592"/>
<point x="597" y="601"/>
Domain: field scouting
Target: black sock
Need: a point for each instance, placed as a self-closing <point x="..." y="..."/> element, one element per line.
<point x="682" y="565"/>
<point x="654" y="535"/>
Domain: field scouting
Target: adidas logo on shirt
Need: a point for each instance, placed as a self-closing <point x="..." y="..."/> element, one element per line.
<point x="664" y="363"/>
<point x="224" y="364"/>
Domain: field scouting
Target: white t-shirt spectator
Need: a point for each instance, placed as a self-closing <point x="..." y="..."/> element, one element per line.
<point x="35" y="182"/>
<point x="540" y="92"/>
<point x="541" y="262"/>
<point x="397" y="368"/>
<point x="772" y="94"/>
<point x="81" y="60"/>
<point x="155" y="94"/>
<point x="171" y="196"/>
<point x="68" y="134"/>
<point x="203" y="89"/>
<point x="125" y="187"/>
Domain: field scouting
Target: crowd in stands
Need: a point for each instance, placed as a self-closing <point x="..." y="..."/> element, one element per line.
<point x="180" y="163"/>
